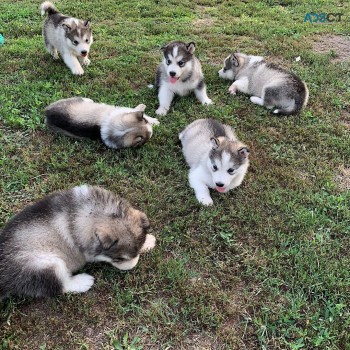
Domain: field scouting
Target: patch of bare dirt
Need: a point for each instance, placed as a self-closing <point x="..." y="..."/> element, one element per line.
<point x="343" y="178"/>
<point x="345" y="119"/>
<point x="337" y="43"/>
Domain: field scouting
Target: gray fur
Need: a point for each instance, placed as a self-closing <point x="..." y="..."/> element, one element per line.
<point x="68" y="36"/>
<point x="268" y="84"/>
<point x="117" y="127"/>
<point x="206" y="144"/>
<point x="43" y="245"/>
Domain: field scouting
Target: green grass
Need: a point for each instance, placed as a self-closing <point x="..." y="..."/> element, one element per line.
<point x="267" y="267"/>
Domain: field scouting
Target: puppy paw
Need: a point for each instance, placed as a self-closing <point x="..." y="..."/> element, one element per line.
<point x="232" y="89"/>
<point x="206" y="201"/>
<point x="77" y="71"/>
<point x="85" y="61"/>
<point x="207" y="102"/>
<point x="149" y="244"/>
<point x="152" y="121"/>
<point x="79" y="283"/>
<point x="161" y="111"/>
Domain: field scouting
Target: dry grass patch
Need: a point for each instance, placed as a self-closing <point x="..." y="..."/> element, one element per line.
<point x="337" y="44"/>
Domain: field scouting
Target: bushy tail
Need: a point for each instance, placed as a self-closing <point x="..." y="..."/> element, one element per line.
<point x="48" y="7"/>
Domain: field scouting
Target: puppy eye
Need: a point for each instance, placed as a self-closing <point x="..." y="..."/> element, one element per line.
<point x="181" y="63"/>
<point x="215" y="168"/>
<point x="168" y="62"/>
<point x="224" y="70"/>
<point x="87" y="40"/>
<point x="231" y="171"/>
<point x="75" y="42"/>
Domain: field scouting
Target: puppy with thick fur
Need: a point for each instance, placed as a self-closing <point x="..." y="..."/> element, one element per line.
<point x="71" y="37"/>
<point x="116" y="127"/>
<point x="179" y="73"/>
<point x="268" y="85"/>
<point x="217" y="159"/>
<point x="42" y="246"/>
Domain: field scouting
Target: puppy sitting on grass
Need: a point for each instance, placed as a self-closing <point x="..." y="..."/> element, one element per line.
<point x="68" y="36"/>
<point x="269" y="85"/>
<point x="43" y="245"/>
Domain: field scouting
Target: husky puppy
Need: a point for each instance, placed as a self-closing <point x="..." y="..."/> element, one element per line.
<point x="217" y="159"/>
<point x="117" y="127"/>
<point x="69" y="36"/>
<point x="179" y="73"/>
<point x="268" y="84"/>
<point x="42" y="246"/>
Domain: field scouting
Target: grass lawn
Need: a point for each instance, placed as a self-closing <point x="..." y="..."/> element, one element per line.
<point x="267" y="267"/>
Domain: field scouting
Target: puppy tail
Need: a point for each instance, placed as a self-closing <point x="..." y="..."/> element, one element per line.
<point x="49" y="8"/>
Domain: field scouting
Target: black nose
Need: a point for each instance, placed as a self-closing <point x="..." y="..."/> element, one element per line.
<point x="172" y="74"/>
<point x="84" y="52"/>
<point x="219" y="184"/>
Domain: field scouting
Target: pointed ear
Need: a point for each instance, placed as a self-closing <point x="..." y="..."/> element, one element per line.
<point x="139" y="115"/>
<point x="105" y="239"/>
<point x="243" y="152"/>
<point x="163" y="48"/>
<point x="66" y="27"/>
<point x="140" y="107"/>
<point x="215" y="143"/>
<point x="234" y="59"/>
<point x="87" y="23"/>
<point x="191" y="47"/>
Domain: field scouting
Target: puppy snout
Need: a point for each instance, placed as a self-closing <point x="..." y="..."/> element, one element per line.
<point x="219" y="184"/>
<point x="83" y="52"/>
<point x="172" y="74"/>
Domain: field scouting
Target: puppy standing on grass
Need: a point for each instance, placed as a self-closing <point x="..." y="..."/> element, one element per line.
<point x="69" y="36"/>
<point x="269" y="85"/>
<point x="217" y="159"/>
<point x="43" y="245"/>
<point x="116" y="127"/>
<point x="179" y="73"/>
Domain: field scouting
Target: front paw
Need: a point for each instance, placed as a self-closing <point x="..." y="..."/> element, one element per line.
<point x="208" y="101"/>
<point x="205" y="201"/>
<point x="153" y="121"/>
<point x="232" y="89"/>
<point x="161" y="111"/>
<point x="77" y="71"/>
<point x="86" y="61"/>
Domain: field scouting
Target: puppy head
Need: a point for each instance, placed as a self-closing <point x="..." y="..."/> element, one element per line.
<point x="232" y="65"/>
<point x="127" y="127"/>
<point x="120" y="231"/>
<point x="177" y="60"/>
<point x="226" y="159"/>
<point x="78" y="37"/>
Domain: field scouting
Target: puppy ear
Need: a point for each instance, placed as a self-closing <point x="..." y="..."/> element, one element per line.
<point x="191" y="47"/>
<point x="163" y="48"/>
<point x="67" y="28"/>
<point x="139" y="116"/>
<point x="215" y="143"/>
<point x="87" y="23"/>
<point x="234" y="59"/>
<point x="243" y="152"/>
<point x="140" y="107"/>
<point x="105" y="239"/>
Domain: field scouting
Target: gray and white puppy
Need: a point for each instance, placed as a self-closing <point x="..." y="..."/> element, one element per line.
<point x="71" y="37"/>
<point x="116" y="127"/>
<point x="217" y="159"/>
<point x="179" y="73"/>
<point x="43" y="245"/>
<point x="268" y="84"/>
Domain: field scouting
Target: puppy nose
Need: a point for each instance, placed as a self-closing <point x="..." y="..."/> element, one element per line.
<point x="83" y="52"/>
<point x="219" y="184"/>
<point x="172" y="74"/>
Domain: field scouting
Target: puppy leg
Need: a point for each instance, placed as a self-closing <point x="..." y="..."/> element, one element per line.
<point x="150" y="120"/>
<point x="239" y="85"/>
<point x="201" y="190"/>
<point x="165" y="97"/>
<point x="257" y="100"/>
<point x="72" y="63"/>
<point x="78" y="283"/>
<point x="201" y="94"/>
